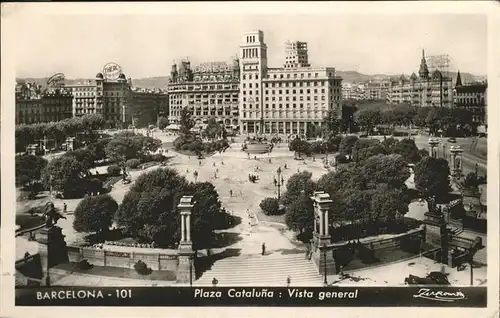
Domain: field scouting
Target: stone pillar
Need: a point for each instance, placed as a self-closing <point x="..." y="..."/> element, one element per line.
<point x="183" y="226"/>
<point x="456" y="160"/>
<point x="322" y="254"/>
<point x="433" y="147"/>
<point x="188" y="218"/>
<point x="186" y="266"/>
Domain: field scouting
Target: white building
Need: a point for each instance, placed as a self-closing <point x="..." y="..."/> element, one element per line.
<point x="283" y="100"/>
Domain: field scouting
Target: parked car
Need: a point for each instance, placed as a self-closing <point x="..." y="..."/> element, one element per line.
<point x="439" y="278"/>
<point x="452" y="139"/>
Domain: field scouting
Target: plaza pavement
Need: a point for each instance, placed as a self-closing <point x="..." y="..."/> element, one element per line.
<point x="233" y="175"/>
<point x="395" y="273"/>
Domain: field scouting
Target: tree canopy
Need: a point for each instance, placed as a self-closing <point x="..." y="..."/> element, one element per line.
<point x="213" y="129"/>
<point x="186" y="121"/>
<point x="432" y="176"/>
<point x="65" y="174"/>
<point x="122" y="148"/>
<point x="149" y="210"/>
<point x="94" y="214"/>
<point x="29" y="169"/>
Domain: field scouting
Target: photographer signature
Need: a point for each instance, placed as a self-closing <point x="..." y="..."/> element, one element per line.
<point x="439" y="295"/>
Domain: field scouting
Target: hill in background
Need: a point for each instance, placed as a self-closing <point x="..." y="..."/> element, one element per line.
<point x="347" y="76"/>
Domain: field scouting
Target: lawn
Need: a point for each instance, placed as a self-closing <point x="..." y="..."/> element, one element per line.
<point x="26" y="221"/>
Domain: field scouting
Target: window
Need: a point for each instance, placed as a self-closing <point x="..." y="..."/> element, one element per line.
<point x="244" y="85"/>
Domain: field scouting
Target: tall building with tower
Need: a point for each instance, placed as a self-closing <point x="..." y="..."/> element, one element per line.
<point x="432" y="87"/>
<point x="288" y="100"/>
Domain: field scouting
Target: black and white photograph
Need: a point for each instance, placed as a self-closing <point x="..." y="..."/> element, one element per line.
<point x="260" y="159"/>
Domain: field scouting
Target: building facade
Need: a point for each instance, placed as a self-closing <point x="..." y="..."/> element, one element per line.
<point x="473" y="97"/>
<point x="208" y="90"/>
<point x="36" y="105"/>
<point x="109" y="98"/>
<point x="283" y="100"/>
<point x="424" y="90"/>
<point x="147" y="106"/>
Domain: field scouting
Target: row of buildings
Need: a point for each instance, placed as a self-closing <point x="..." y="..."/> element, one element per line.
<point x="114" y="98"/>
<point x="436" y="89"/>
<point x="246" y="95"/>
<point x="365" y="91"/>
<point x="251" y="97"/>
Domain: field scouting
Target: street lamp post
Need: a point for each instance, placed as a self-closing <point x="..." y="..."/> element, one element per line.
<point x="277" y="181"/>
<point x="324" y="265"/>
<point x="191" y="259"/>
<point x="326" y="153"/>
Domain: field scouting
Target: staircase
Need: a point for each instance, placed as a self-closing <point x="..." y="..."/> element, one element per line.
<point x="258" y="270"/>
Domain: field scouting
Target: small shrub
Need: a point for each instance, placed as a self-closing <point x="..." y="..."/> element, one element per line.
<point x="142" y="268"/>
<point x="270" y="206"/>
<point x="158" y="157"/>
<point x="114" y="170"/>
<point x="340" y="158"/>
<point x="133" y="163"/>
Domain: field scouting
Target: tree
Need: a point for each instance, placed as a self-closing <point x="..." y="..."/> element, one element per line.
<point x="269" y="206"/>
<point x="365" y="148"/>
<point x="297" y="185"/>
<point x="390" y="144"/>
<point x="299" y="215"/>
<point x="65" y="174"/>
<point x="82" y="155"/>
<point x="389" y="169"/>
<point x="95" y="214"/>
<point x="98" y="148"/>
<point x="388" y="203"/>
<point x="332" y="124"/>
<point x="421" y="116"/>
<point x="347" y="121"/>
<point x="120" y="149"/>
<point x="369" y="119"/>
<point x="299" y="146"/>
<point x="213" y="129"/>
<point x="29" y="169"/>
<point x="149" y="210"/>
<point x="186" y="121"/>
<point x="408" y="150"/>
<point x="347" y="144"/>
<point x="162" y="123"/>
<point x="432" y="176"/>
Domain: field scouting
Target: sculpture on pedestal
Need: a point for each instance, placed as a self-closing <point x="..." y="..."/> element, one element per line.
<point x="52" y="215"/>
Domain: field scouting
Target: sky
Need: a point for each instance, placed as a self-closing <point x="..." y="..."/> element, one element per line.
<point x="147" y="45"/>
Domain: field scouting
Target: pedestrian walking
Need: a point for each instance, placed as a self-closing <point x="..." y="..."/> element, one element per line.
<point x="65" y="207"/>
<point x="231" y="193"/>
<point x="199" y="162"/>
<point x="215" y="282"/>
<point x="263" y="248"/>
<point x="288" y="281"/>
<point x="213" y="164"/>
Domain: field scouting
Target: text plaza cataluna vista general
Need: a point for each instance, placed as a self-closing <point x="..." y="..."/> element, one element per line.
<point x="240" y="183"/>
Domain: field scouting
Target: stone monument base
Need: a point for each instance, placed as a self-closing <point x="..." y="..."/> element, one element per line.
<point x="186" y="269"/>
<point x="322" y="262"/>
<point x="52" y="249"/>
